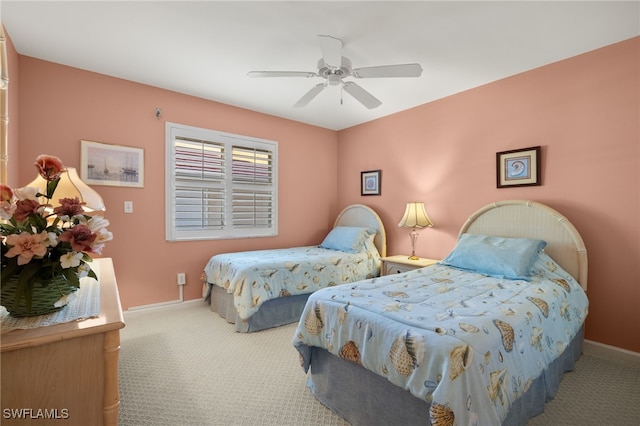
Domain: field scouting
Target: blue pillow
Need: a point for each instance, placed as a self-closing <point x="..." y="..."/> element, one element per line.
<point x="350" y="239"/>
<point x="495" y="256"/>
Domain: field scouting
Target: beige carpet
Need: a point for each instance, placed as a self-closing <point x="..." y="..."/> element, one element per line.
<point x="183" y="365"/>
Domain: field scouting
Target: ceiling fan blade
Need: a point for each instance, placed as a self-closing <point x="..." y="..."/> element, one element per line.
<point x="308" y="97"/>
<point x="404" y="70"/>
<point x="282" y="74"/>
<point x="331" y="48"/>
<point x="361" y="95"/>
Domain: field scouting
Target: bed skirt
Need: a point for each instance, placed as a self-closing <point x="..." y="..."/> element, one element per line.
<point x="364" y="398"/>
<point x="272" y="313"/>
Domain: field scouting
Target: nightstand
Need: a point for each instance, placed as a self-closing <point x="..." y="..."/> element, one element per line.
<point x="401" y="263"/>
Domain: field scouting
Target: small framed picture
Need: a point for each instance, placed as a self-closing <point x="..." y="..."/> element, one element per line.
<point x="370" y="182"/>
<point x="518" y="167"/>
<point x="112" y="165"/>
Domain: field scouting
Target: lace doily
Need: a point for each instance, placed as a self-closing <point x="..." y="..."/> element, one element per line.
<point x="85" y="305"/>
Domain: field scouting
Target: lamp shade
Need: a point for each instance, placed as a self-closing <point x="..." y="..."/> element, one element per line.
<point x="415" y="216"/>
<point x="70" y="186"/>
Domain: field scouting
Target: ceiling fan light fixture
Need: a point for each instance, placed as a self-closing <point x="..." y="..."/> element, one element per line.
<point x="334" y="79"/>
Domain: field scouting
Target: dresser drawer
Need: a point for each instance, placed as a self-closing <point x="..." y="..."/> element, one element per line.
<point x="397" y="268"/>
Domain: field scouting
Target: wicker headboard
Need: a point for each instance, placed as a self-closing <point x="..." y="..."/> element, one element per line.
<point x="529" y="219"/>
<point x="361" y="215"/>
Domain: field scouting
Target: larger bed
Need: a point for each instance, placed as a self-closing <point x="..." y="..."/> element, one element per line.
<point x="261" y="289"/>
<point x="446" y="344"/>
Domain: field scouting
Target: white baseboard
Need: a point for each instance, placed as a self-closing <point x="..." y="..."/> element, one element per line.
<point x="163" y="305"/>
<point x="611" y="351"/>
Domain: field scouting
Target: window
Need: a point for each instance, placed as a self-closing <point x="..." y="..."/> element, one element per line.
<point x="219" y="185"/>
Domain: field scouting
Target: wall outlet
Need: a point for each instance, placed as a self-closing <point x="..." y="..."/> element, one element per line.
<point x="182" y="278"/>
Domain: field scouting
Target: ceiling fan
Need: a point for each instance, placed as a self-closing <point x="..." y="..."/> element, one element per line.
<point x="334" y="67"/>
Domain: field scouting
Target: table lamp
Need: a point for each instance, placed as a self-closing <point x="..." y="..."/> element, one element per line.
<point x="415" y="216"/>
<point x="70" y="186"/>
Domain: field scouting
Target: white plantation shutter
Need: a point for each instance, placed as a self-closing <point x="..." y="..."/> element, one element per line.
<point x="219" y="185"/>
<point x="199" y="185"/>
<point x="252" y="194"/>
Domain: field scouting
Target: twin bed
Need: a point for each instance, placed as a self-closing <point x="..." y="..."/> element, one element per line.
<point x="482" y="338"/>
<point x="261" y="289"/>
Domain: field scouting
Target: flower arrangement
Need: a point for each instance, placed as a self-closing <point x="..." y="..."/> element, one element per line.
<point x="46" y="248"/>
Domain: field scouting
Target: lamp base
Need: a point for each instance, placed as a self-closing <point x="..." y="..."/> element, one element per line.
<point x="414" y="237"/>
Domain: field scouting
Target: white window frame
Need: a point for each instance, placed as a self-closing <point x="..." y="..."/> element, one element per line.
<point x="224" y="188"/>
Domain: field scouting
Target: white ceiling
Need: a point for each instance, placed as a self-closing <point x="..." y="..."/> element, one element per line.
<point x="206" y="48"/>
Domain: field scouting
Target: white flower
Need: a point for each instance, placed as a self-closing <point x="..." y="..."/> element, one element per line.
<point x="52" y="239"/>
<point x="7" y="209"/>
<point x="83" y="270"/>
<point x="97" y="222"/>
<point x="102" y="236"/>
<point x="70" y="260"/>
<point x="97" y="248"/>
<point x="64" y="300"/>
<point x="26" y="193"/>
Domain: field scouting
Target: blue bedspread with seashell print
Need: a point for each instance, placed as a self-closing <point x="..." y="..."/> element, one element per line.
<point x="260" y="275"/>
<point x="466" y="343"/>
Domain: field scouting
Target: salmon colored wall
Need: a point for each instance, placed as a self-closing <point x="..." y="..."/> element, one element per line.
<point x="584" y="112"/>
<point x="59" y="106"/>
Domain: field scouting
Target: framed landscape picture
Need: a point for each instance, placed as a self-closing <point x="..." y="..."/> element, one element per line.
<point x="112" y="165"/>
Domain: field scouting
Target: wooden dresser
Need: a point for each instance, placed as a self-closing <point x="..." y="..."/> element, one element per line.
<point x="65" y="373"/>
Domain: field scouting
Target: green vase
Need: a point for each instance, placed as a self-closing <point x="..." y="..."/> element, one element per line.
<point x="45" y="295"/>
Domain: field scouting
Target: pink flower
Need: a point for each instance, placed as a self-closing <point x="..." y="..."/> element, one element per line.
<point x="80" y="237"/>
<point x="26" y="246"/>
<point x="6" y="194"/>
<point x="24" y="208"/>
<point x="49" y="167"/>
<point x="69" y="207"/>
